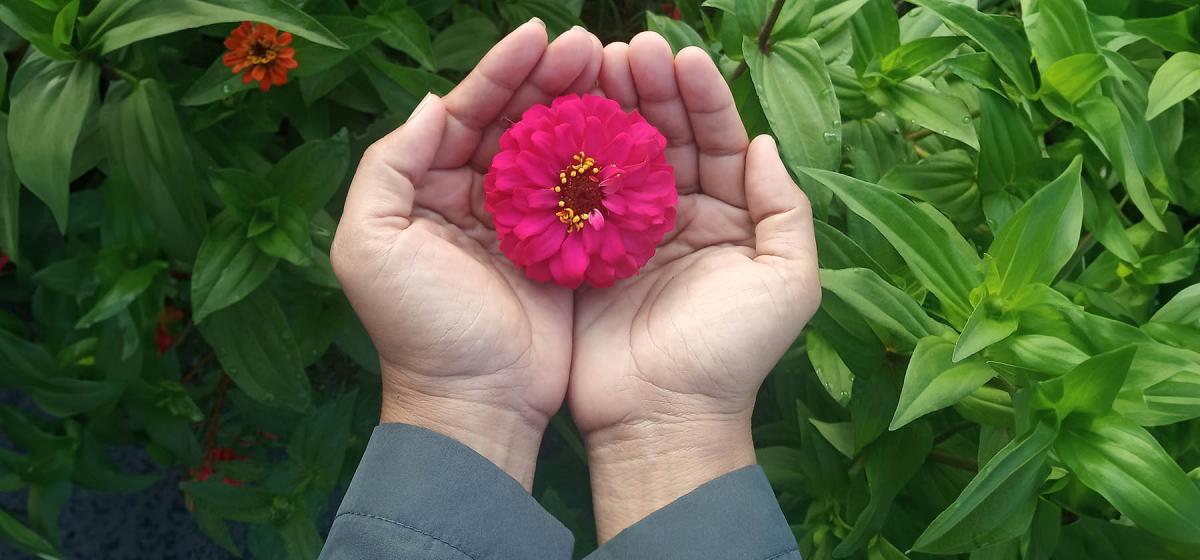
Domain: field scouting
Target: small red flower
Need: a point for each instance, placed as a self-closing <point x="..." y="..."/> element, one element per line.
<point x="581" y="190"/>
<point x="671" y="9"/>
<point x="261" y="51"/>
<point x="4" y="260"/>
<point x="163" y="338"/>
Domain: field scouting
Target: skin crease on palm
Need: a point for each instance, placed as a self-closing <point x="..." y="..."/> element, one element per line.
<point x="473" y="349"/>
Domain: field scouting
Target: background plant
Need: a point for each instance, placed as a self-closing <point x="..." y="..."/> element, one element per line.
<point x="1004" y="366"/>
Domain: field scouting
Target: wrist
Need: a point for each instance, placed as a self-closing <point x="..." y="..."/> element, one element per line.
<point x="503" y="434"/>
<point x="638" y="468"/>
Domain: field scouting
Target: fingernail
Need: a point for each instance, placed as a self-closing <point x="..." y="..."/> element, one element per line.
<point x="424" y="103"/>
<point x="574" y="27"/>
<point x="539" y="21"/>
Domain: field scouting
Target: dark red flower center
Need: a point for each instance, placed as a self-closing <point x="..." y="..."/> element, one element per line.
<point x="261" y="52"/>
<point x="579" y="192"/>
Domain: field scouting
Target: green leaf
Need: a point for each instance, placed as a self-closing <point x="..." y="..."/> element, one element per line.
<point x="310" y="175"/>
<point x="677" y="33"/>
<point x="1005" y="45"/>
<point x="10" y="194"/>
<point x="940" y="258"/>
<point x="1075" y="76"/>
<point x="116" y="23"/>
<point x="1177" y="79"/>
<point x="319" y="442"/>
<point x="249" y="505"/>
<point x="798" y="99"/>
<point x="933" y="381"/>
<point x="914" y="57"/>
<point x="407" y="33"/>
<point x="839" y="435"/>
<point x="891" y="462"/>
<point x="254" y="343"/>
<point x="1101" y="119"/>
<point x="65" y="396"/>
<point x="917" y="100"/>
<point x="889" y="309"/>
<point x="23" y="361"/>
<point x="945" y="179"/>
<point x="875" y="31"/>
<point x="288" y="236"/>
<point x="64" y="24"/>
<point x="26" y="539"/>
<point x="1057" y="29"/>
<point x="34" y="21"/>
<point x="1184" y="308"/>
<point x="984" y="328"/>
<point x="300" y="536"/>
<point x="1126" y="465"/>
<point x="228" y="267"/>
<point x="1040" y="238"/>
<point x="129" y="285"/>
<point x="837" y="379"/>
<point x="1008" y="150"/>
<point x="49" y="103"/>
<point x="462" y="44"/>
<point x="998" y="503"/>
<point x="1092" y="386"/>
<point x="146" y="139"/>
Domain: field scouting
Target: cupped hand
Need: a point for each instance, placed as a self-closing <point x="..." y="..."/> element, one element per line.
<point x="666" y="364"/>
<point x="468" y="346"/>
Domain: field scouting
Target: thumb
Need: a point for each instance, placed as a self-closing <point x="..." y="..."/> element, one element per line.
<point x="385" y="182"/>
<point x="783" y="229"/>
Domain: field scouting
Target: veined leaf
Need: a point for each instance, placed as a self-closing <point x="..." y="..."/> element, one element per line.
<point x="129" y="285"/>
<point x="1177" y="79"/>
<point x="934" y="381"/>
<point x="798" y="99"/>
<point x="941" y="259"/>
<point x="228" y="267"/>
<point x="882" y="305"/>
<point x="917" y="101"/>
<point x="910" y="59"/>
<point x="1075" y="76"/>
<point x="1057" y="29"/>
<point x="116" y="23"/>
<point x="1092" y="386"/>
<point x="891" y="461"/>
<point x="49" y="103"/>
<point x="999" y="502"/>
<point x="1126" y="465"/>
<point x="1184" y="308"/>
<point x="1006" y="46"/>
<point x="1040" y="238"/>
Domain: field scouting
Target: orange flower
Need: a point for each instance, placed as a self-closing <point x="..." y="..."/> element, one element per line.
<point x="262" y="52"/>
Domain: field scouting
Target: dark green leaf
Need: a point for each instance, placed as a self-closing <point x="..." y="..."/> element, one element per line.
<point x="228" y="267"/>
<point x="887" y="308"/>
<point x="10" y="194"/>
<point x="254" y="343"/>
<point x="408" y="33"/>
<point x="891" y="462"/>
<point x="116" y="23"/>
<point x="129" y="285"/>
<point x="26" y="539"/>
<point x="49" y="103"/>
<point x="309" y="175"/>
<point x="146" y="139"/>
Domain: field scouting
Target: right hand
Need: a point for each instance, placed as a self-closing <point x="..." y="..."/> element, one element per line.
<point x="469" y="347"/>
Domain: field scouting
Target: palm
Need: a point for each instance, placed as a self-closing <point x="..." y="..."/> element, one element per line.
<point x="419" y="259"/>
<point x="712" y="311"/>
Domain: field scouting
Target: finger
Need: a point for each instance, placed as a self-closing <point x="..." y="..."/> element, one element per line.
<point x="616" y="80"/>
<point x="717" y="128"/>
<point x="653" y="69"/>
<point x="477" y="101"/>
<point x="383" y="187"/>
<point x="567" y="60"/>
<point x="783" y="229"/>
<point x="590" y="75"/>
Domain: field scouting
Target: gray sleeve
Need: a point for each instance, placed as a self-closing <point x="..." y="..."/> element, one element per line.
<point x="423" y="496"/>
<point x="735" y="516"/>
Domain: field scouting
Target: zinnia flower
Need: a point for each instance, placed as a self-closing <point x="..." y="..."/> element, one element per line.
<point x="262" y="52"/>
<point x="581" y="190"/>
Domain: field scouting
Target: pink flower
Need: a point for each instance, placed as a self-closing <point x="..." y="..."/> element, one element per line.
<point x="581" y="190"/>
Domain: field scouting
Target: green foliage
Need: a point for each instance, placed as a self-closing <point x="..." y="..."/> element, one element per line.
<point x="1006" y="360"/>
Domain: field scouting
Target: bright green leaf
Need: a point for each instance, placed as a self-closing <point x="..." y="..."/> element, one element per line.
<point x="798" y="99"/>
<point x="883" y="305"/>
<point x="1177" y="79"/>
<point x="933" y="381"/>
<point x="1007" y="47"/>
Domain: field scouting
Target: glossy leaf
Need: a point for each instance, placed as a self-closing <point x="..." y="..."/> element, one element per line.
<point x="797" y="97"/>
<point x="882" y="305"/>
<point x="1127" y="466"/>
<point x="1177" y="79"/>
<point x="1007" y="47"/>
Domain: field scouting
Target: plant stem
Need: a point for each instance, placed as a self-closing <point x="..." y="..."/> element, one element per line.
<point x="954" y="461"/>
<point x="764" y="38"/>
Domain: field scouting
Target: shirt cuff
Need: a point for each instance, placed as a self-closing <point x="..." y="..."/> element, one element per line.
<point x="431" y="484"/>
<point x="733" y="516"/>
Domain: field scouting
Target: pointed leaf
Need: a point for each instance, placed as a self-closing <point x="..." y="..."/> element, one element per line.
<point x="933" y="381"/>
